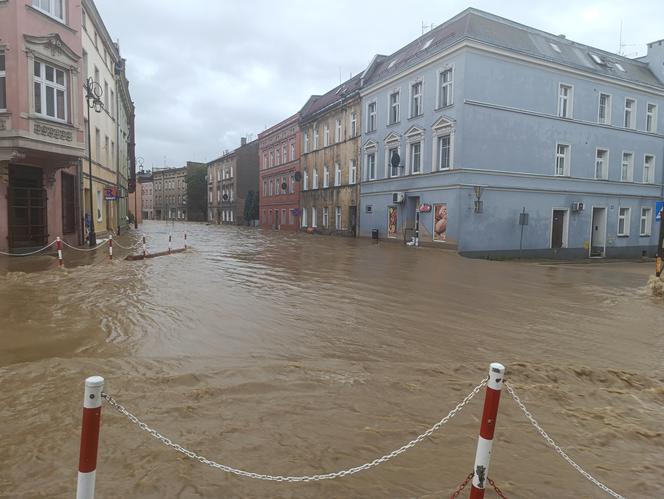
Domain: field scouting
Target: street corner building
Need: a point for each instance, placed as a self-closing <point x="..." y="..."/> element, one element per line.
<point x="503" y="140"/>
<point x="330" y="190"/>
<point x="232" y="183"/>
<point x="43" y="67"/>
<point x="176" y="193"/>
<point x="279" y="159"/>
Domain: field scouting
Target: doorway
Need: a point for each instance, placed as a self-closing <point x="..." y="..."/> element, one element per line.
<point x="27" y="207"/>
<point x="559" y="229"/>
<point x="598" y="233"/>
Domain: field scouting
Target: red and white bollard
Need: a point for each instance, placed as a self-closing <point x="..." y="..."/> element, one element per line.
<point x="169" y="243"/>
<point x="58" y="246"/>
<point x="185" y="240"/>
<point x="485" y="442"/>
<point x="144" y="250"/>
<point x="87" y="464"/>
<point x="110" y="247"/>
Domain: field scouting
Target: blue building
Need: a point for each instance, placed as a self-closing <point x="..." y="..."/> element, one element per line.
<point x="508" y="140"/>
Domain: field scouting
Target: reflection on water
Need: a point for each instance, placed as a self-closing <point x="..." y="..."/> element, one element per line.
<point x="292" y="354"/>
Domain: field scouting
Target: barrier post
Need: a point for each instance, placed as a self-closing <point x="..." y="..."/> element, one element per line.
<point x="485" y="441"/>
<point x="58" y="246"/>
<point x="169" y="243"/>
<point x="110" y="247"/>
<point x="87" y="464"/>
<point x="144" y="251"/>
<point x="185" y="240"/>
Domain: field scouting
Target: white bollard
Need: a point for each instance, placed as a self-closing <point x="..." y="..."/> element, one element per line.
<point x="58" y="245"/>
<point x="110" y="247"/>
<point x="87" y="464"/>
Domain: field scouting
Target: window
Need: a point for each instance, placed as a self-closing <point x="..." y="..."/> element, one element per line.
<point x="306" y="143"/>
<point x="314" y="180"/>
<point x="337" y="217"/>
<point x="416" y="157"/>
<point x="315" y="138"/>
<point x="646" y="217"/>
<point x="391" y="151"/>
<point x="604" y="109"/>
<point x="271" y="159"/>
<point x="371" y="117"/>
<point x="353" y="124"/>
<point x="562" y="160"/>
<point x="352" y="172"/>
<point x="337" y="174"/>
<point x="112" y="104"/>
<point x="106" y="151"/>
<point x="271" y="187"/>
<point x="278" y="157"/>
<point x="292" y="184"/>
<point x="97" y="144"/>
<point x="394" y="107"/>
<point x="629" y="122"/>
<point x="627" y="167"/>
<point x="50" y="91"/>
<point x="326" y="136"/>
<point x="443" y="152"/>
<point x="284" y="153"/>
<point x="99" y="201"/>
<point x="619" y="66"/>
<point x="416" y="99"/>
<point x="565" y="100"/>
<point x="555" y="47"/>
<point x="337" y="131"/>
<point x="84" y="20"/>
<point x="623" y="221"/>
<point x="314" y="219"/>
<point x="649" y="169"/>
<point x="304" y="218"/>
<point x="371" y="166"/>
<point x="112" y="164"/>
<point x="445" y="88"/>
<point x="54" y="8"/>
<point x="305" y="180"/>
<point x="284" y="186"/>
<point x="651" y="113"/>
<point x="3" y="84"/>
<point x="292" y="152"/>
<point x="601" y="164"/>
<point x="96" y="74"/>
<point x="325" y="217"/>
<point x="106" y="95"/>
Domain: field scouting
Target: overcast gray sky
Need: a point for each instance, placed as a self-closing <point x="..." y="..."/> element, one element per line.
<point x="205" y="73"/>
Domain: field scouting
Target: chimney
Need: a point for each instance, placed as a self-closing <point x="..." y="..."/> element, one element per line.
<point x="655" y="58"/>
<point x="243" y="141"/>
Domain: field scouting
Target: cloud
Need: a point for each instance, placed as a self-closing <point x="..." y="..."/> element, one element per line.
<point x="203" y="74"/>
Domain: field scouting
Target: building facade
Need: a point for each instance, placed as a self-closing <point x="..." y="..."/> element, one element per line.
<point x="41" y="123"/>
<point x="505" y="140"/>
<point x="279" y="157"/>
<point x="330" y="189"/>
<point x="146" y="186"/>
<point x="110" y="129"/>
<point x="170" y="193"/>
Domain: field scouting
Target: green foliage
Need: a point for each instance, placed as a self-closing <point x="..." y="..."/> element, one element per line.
<point x="196" y="193"/>
<point x="251" y="207"/>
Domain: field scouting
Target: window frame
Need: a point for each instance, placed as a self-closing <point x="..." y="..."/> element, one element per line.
<point x="626" y="221"/>
<point x="314" y="217"/>
<point x="326" y="177"/>
<point x="411" y="156"/>
<point x="326" y="135"/>
<point x="607" y="119"/>
<point x="3" y="77"/>
<point x="605" y="165"/>
<point x="370" y="166"/>
<point x="568" y="100"/>
<point x="630" y="170"/>
<point x="314" y="179"/>
<point x="337" y="174"/>
<point x="44" y="84"/>
<point x="338" y="219"/>
<point x="652" y="116"/>
<point x="352" y="172"/>
<point x="650" y="179"/>
<point x="632" y="114"/>
<point x="439" y="91"/>
<point x="416" y="99"/>
<point x="353" y="124"/>
<point x="49" y="13"/>
<point x="305" y="180"/>
<point x="371" y="116"/>
<point x="306" y="143"/>
<point x="326" y="217"/>
<point x="648" y="222"/>
<point x="394" y="108"/>
<point x="567" y="160"/>
<point x="337" y="131"/>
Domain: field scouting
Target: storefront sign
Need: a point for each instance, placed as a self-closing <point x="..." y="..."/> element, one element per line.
<point x="111" y="193"/>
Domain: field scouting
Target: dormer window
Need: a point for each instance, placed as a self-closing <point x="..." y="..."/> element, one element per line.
<point x="619" y="66"/>
<point x="597" y="59"/>
<point x="555" y="47"/>
<point x="427" y="44"/>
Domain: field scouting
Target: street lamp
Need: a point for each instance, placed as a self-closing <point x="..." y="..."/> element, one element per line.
<point x="93" y="94"/>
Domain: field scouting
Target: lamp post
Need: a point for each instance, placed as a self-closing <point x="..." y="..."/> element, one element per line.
<point x="93" y="94"/>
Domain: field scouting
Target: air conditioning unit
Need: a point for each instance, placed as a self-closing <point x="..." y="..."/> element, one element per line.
<point x="398" y="197"/>
<point x="577" y="206"/>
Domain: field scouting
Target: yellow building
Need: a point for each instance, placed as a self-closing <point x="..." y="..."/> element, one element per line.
<point x="109" y="129"/>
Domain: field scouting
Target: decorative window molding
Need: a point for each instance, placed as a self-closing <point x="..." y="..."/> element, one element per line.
<point x="565" y="100"/>
<point x="627" y="167"/>
<point x="443" y="144"/>
<point x="651" y="117"/>
<point x="601" y="163"/>
<point x="649" y="169"/>
<point x="563" y="160"/>
<point x="416" y="99"/>
<point x="394" y="107"/>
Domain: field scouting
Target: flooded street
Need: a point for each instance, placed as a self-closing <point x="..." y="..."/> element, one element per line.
<point x="293" y="354"/>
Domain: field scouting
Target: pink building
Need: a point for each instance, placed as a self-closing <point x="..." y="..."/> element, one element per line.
<point x="41" y="122"/>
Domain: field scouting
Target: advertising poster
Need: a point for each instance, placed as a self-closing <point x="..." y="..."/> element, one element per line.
<point x="440" y="222"/>
<point x="391" y="221"/>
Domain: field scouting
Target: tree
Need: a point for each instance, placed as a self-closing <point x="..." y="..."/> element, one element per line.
<point x="196" y="192"/>
<point x="251" y="208"/>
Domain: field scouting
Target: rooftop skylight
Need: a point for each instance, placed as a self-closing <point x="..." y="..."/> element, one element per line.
<point x="555" y="47"/>
<point x="619" y="66"/>
<point x="426" y="45"/>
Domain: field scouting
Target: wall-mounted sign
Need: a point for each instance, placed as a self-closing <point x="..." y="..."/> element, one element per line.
<point x="440" y="222"/>
<point x="659" y="207"/>
<point x="111" y="193"/>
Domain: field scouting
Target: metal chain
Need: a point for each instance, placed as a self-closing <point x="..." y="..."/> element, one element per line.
<point x="556" y="447"/>
<point x="280" y="478"/>
<point x="495" y="487"/>
<point x="462" y="486"/>
<point x="28" y="254"/>
<point x="84" y="249"/>
<point x="129" y="248"/>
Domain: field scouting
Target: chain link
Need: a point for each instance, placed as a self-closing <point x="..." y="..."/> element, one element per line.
<point x="115" y="243"/>
<point x="84" y="249"/>
<point x="462" y="486"/>
<point x="556" y="447"/>
<point x="28" y="254"/>
<point x="307" y="478"/>
<point x="495" y="487"/>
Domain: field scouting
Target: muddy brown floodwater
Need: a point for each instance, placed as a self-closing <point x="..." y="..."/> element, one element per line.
<point x="297" y="354"/>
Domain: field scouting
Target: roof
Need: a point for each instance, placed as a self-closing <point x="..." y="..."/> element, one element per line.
<point x="477" y="25"/>
<point x="318" y="104"/>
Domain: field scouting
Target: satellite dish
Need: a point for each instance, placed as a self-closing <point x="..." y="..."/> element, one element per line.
<point x="284" y="186"/>
<point x="395" y="160"/>
<point x="297" y="176"/>
<point x="225" y="197"/>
